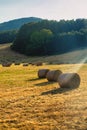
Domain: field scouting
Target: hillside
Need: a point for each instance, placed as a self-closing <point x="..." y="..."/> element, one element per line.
<point x="17" y="23"/>
<point x="77" y="56"/>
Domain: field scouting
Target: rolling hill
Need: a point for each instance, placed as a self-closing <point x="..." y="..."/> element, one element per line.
<point x="17" y="23"/>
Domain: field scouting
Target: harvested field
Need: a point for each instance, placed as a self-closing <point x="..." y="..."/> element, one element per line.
<point x="29" y="103"/>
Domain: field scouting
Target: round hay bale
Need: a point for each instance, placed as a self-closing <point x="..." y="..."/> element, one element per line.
<point x="25" y="64"/>
<point x="42" y="73"/>
<point x="53" y="75"/>
<point x="69" y="80"/>
<point x="39" y="64"/>
<point x="6" y="64"/>
<point x="32" y="64"/>
<point x="16" y="63"/>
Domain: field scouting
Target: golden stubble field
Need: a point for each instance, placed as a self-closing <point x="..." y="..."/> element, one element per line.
<point x="29" y="103"/>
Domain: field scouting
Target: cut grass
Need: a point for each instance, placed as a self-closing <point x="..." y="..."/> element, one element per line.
<point x="29" y="103"/>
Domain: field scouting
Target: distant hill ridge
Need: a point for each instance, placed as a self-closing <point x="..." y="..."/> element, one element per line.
<point x="17" y="23"/>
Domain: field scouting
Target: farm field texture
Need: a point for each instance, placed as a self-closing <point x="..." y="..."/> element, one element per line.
<point x="29" y="103"/>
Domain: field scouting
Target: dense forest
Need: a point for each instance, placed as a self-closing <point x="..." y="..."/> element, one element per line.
<point x="8" y="30"/>
<point x="8" y="36"/>
<point x="51" y="37"/>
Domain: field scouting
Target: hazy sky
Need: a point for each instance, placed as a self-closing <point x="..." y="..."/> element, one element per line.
<point x="48" y="9"/>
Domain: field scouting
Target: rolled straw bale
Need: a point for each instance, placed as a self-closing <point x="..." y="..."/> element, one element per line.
<point x="25" y="64"/>
<point x="6" y="64"/>
<point x="53" y="75"/>
<point x="69" y="80"/>
<point x="39" y="64"/>
<point x="16" y="63"/>
<point x="32" y="63"/>
<point x="42" y="73"/>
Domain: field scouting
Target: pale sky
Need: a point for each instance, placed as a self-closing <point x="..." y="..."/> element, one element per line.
<point x="47" y="9"/>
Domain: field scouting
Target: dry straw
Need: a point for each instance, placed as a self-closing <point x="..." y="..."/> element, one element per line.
<point x="69" y="80"/>
<point x="42" y="73"/>
<point x="53" y="75"/>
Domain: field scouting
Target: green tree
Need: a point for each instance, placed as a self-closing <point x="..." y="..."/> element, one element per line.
<point x="51" y="37"/>
<point x="7" y="36"/>
<point x="40" y="42"/>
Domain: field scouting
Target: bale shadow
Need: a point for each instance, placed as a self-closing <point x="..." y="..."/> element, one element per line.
<point x="34" y="79"/>
<point x="44" y="83"/>
<point x="59" y="90"/>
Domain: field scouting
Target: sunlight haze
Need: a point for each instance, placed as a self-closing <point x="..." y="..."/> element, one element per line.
<point x="47" y="9"/>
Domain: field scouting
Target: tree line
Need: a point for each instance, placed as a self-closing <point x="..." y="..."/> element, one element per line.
<point x="7" y="36"/>
<point x="51" y="37"/>
<point x="8" y="30"/>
